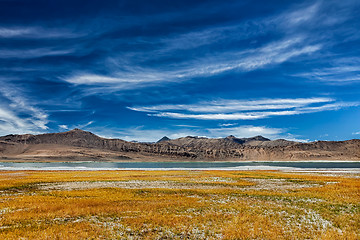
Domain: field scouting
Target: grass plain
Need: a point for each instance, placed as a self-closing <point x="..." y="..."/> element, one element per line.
<point x="178" y="205"/>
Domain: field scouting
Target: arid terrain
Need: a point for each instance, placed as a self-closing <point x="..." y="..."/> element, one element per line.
<point x="79" y="145"/>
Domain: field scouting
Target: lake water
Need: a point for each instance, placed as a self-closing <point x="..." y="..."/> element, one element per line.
<point x="305" y="165"/>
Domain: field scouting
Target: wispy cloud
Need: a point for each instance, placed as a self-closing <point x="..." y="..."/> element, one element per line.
<point x="243" y="109"/>
<point x="248" y="60"/>
<point x="290" y="20"/>
<point x="187" y="126"/>
<point x="226" y="105"/>
<point x="343" y="71"/>
<point x="14" y="32"/>
<point x="17" y="115"/>
<point x="33" y="53"/>
<point x="65" y="127"/>
<point x="356" y="133"/>
<point x="127" y="71"/>
<point x="271" y="54"/>
<point x="122" y="79"/>
<point x="85" y="125"/>
<point x="295" y="17"/>
<point x="36" y="32"/>
<point x="227" y="124"/>
<point x="246" y="131"/>
<point x="296" y="29"/>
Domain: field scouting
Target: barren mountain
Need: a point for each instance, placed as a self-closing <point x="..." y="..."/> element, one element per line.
<point x="82" y="145"/>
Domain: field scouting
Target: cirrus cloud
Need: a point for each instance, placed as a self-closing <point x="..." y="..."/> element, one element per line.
<point x="244" y="109"/>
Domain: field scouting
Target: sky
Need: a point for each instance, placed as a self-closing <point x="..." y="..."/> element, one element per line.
<point x="139" y="70"/>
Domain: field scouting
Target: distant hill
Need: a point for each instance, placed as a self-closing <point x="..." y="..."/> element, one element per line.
<point x="81" y="145"/>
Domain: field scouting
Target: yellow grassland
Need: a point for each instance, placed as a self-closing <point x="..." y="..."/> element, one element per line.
<point x="201" y="205"/>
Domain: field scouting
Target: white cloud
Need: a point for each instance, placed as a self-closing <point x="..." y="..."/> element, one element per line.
<point x="33" y="53"/>
<point x="230" y="116"/>
<point x="244" y="110"/>
<point x="299" y="16"/>
<point x="65" y="127"/>
<point x="248" y="60"/>
<point x="35" y="32"/>
<point x="356" y="133"/>
<point x="344" y="71"/>
<point x="11" y="123"/>
<point x="126" y="73"/>
<point x="85" y="125"/>
<point x="187" y="126"/>
<point x="123" y="79"/>
<point x="18" y="116"/>
<point x="246" y="131"/>
<point x="226" y="105"/>
<point x="290" y="20"/>
<point x="227" y="124"/>
<point x="92" y="79"/>
<point x="14" y="32"/>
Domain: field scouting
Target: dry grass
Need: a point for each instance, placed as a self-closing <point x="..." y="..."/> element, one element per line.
<point x="178" y="205"/>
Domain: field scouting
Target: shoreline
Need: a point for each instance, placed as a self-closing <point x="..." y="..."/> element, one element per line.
<point x="289" y="170"/>
<point x="176" y="161"/>
<point x="238" y="168"/>
<point x="284" y="166"/>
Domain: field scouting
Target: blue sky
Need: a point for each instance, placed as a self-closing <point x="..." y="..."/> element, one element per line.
<point x="139" y="70"/>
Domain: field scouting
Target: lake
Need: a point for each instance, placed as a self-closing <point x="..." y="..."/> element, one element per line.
<point x="303" y="165"/>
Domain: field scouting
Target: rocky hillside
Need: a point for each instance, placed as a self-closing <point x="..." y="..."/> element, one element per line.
<point x="81" y="145"/>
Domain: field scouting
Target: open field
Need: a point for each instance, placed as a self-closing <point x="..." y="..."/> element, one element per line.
<point x="178" y="205"/>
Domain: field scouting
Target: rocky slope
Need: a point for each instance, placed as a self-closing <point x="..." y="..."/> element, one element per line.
<point x="82" y="145"/>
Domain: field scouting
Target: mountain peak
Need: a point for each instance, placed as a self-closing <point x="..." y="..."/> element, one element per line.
<point x="164" y="138"/>
<point x="246" y="140"/>
<point x="260" y="138"/>
<point x="230" y="137"/>
<point x="77" y="130"/>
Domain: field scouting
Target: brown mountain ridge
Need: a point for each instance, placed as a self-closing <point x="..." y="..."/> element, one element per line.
<point x="79" y="145"/>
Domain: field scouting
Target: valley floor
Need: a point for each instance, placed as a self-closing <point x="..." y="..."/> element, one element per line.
<point x="179" y="205"/>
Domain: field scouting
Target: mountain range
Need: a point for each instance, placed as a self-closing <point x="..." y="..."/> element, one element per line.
<point x="79" y="145"/>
